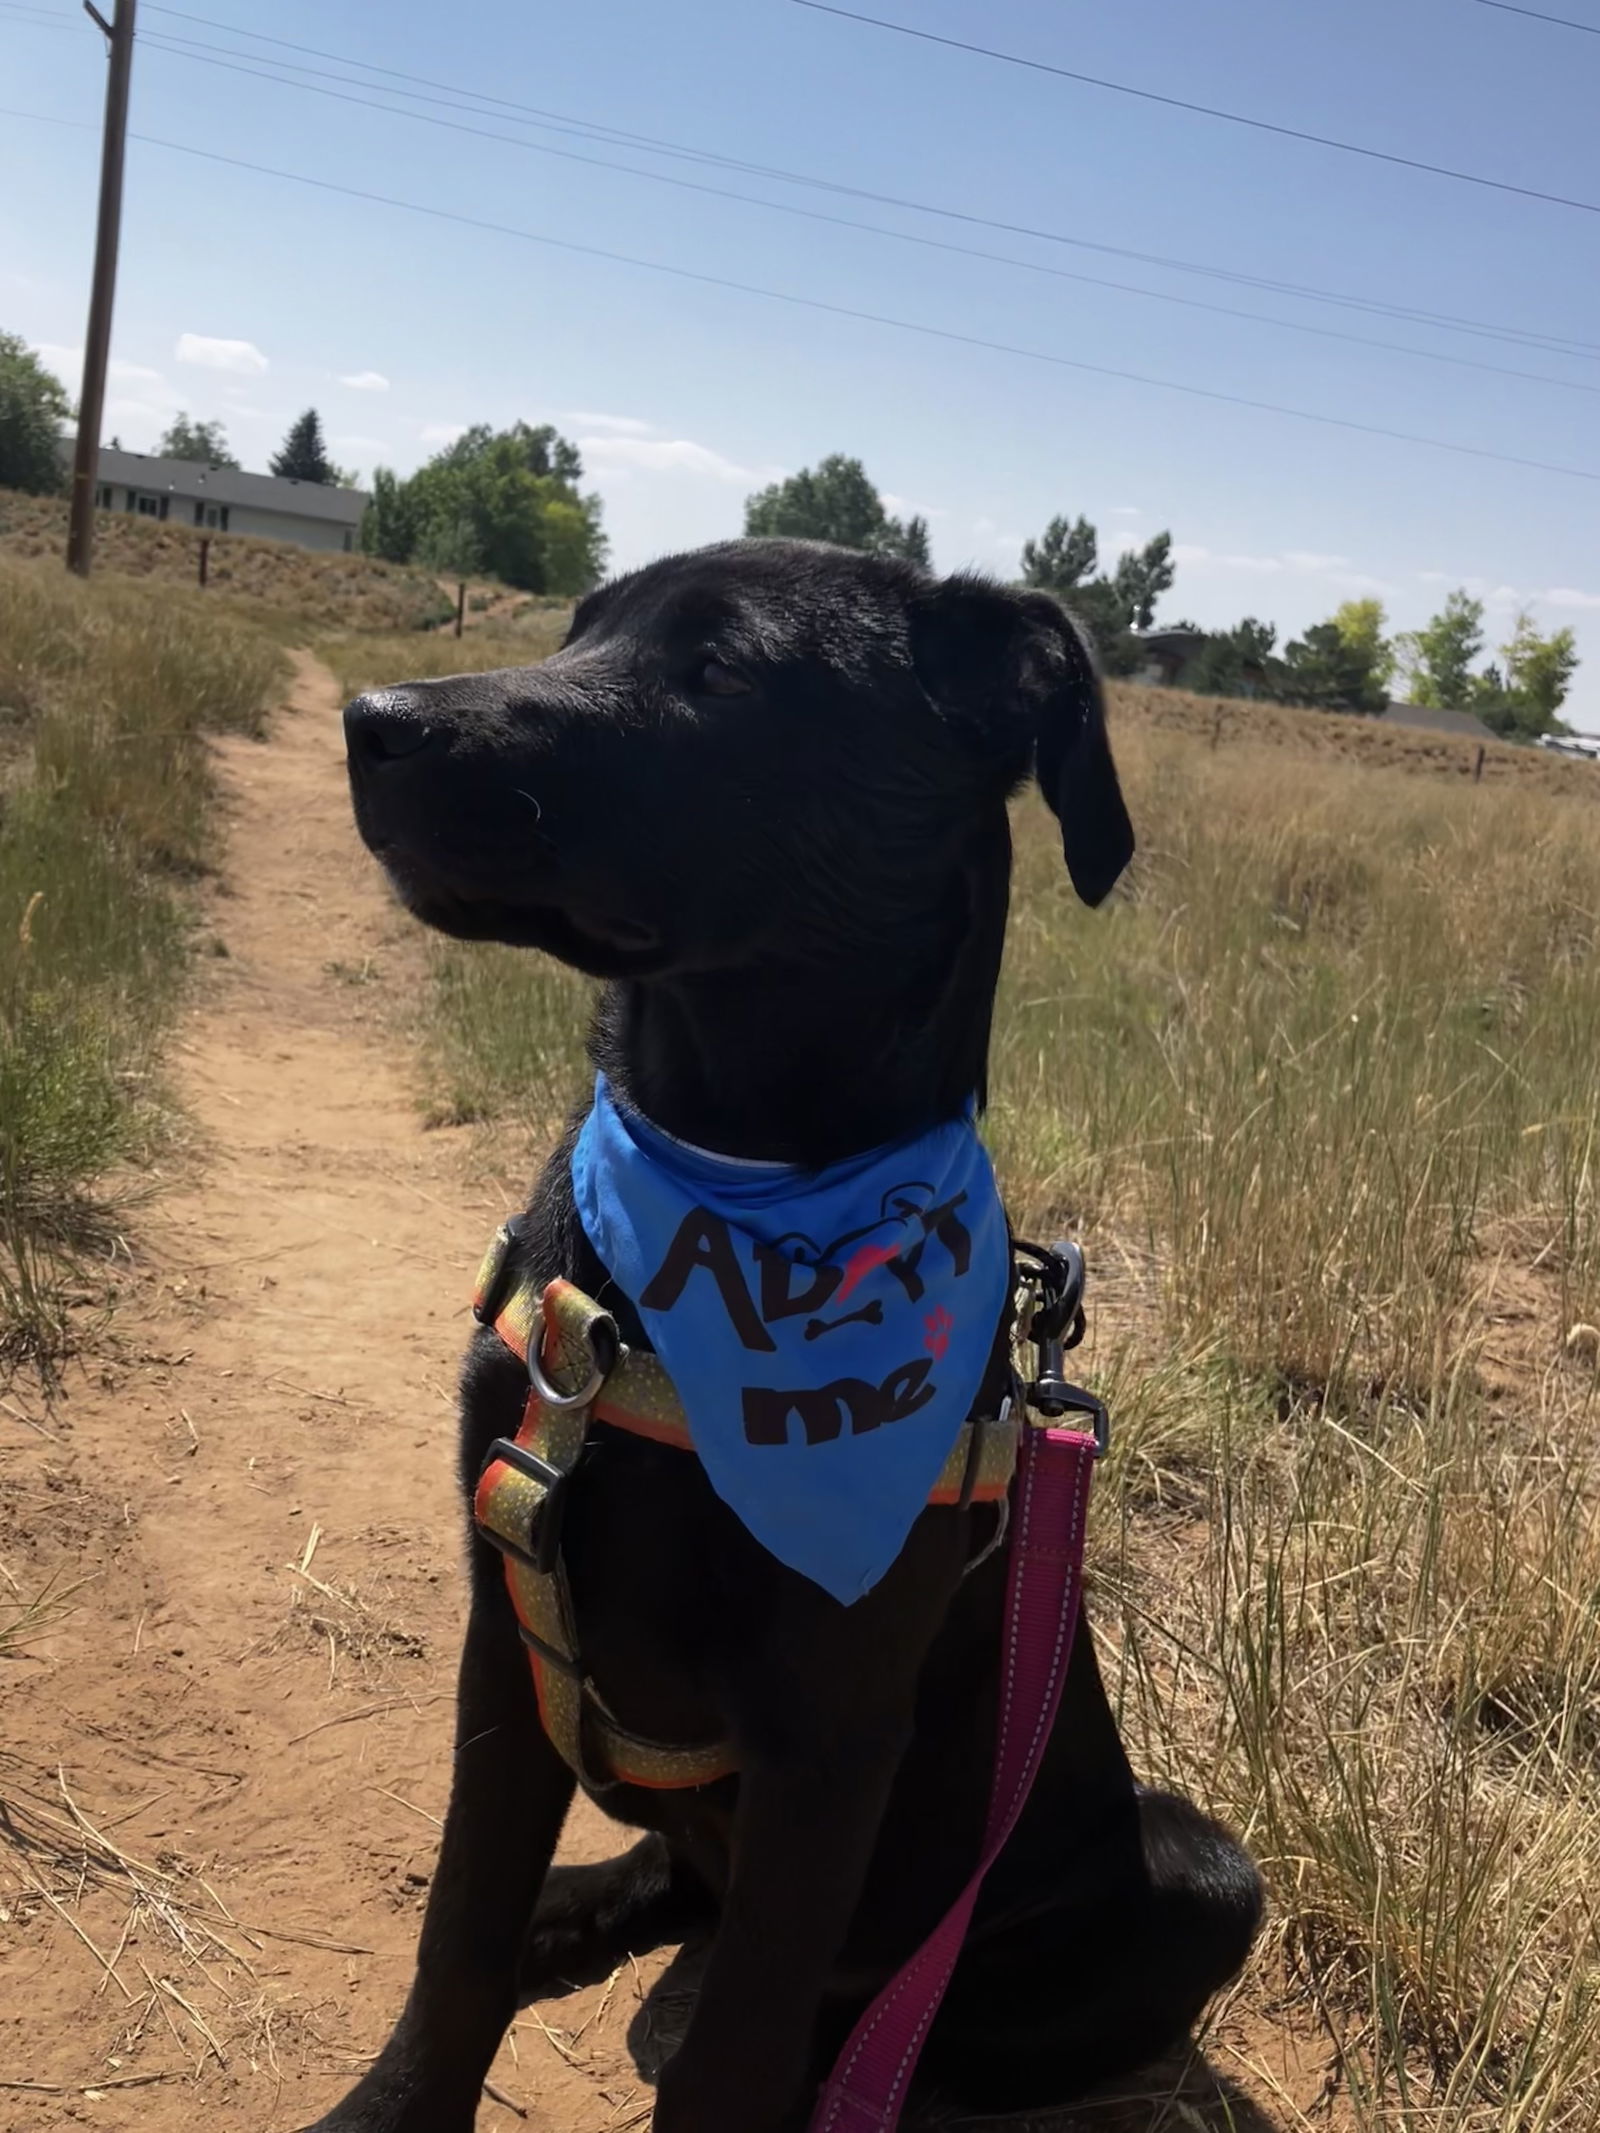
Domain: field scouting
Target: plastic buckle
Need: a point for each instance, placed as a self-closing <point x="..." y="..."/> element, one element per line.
<point x="544" y="1539"/>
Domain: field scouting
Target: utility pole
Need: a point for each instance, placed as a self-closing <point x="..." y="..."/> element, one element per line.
<point x="97" y="340"/>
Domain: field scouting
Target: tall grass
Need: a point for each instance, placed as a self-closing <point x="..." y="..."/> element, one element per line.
<point x="1321" y="1090"/>
<point x="106" y="694"/>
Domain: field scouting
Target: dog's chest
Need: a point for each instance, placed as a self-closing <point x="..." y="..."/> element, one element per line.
<point x="647" y="1544"/>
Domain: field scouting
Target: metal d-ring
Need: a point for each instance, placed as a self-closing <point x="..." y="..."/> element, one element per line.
<point x="562" y="1402"/>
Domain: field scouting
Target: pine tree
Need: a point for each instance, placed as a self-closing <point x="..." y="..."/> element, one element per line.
<point x="303" y="456"/>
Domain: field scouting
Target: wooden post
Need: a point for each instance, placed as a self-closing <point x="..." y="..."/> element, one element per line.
<point x="461" y="606"/>
<point x="1477" y="768"/>
<point x="205" y="552"/>
<point x="97" y="339"/>
<point x="1216" y="731"/>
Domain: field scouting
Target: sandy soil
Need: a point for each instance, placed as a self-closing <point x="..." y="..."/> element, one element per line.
<point x="221" y="1767"/>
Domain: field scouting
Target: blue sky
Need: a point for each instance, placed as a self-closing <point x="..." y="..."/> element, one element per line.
<point x="246" y="298"/>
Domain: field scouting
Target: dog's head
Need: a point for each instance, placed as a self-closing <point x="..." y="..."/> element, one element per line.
<point x="761" y="750"/>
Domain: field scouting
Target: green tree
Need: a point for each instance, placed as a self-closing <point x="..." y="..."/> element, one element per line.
<point x="1142" y="576"/>
<point x="1064" y="555"/>
<point x="1235" y="662"/>
<point x="913" y="542"/>
<point x="1522" y="701"/>
<point x="835" y="501"/>
<point x="1361" y="623"/>
<point x="450" y="548"/>
<point x="1325" y="670"/>
<point x="1110" y="608"/>
<point x="303" y="456"/>
<point x="511" y="496"/>
<point x="389" y="525"/>
<point x="33" y="406"/>
<point x="187" y="439"/>
<point x="1101" y="606"/>
<point x="1438" y="659"/>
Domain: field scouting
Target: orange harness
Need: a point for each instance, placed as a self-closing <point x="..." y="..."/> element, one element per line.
<point x="580" y="1373"/>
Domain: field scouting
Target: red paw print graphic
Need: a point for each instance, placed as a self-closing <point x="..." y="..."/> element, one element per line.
<point x="937" y="1327"/>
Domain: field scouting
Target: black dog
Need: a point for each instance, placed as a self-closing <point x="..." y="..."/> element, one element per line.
<point x="762" y="790"/>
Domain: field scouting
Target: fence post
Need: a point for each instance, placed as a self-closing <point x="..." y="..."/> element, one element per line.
<point x="461" y="606"/>
<point x="1216" y="731"/>
<point x="1477" y="768"/>
<point x="205" y="553"/>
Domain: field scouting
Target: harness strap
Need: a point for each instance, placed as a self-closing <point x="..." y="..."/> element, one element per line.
<point x="521" y="1495"/>
<point x="867" y="2089"/>
<point x="518" y="1507"/>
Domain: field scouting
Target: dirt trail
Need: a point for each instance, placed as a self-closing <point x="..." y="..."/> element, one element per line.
<point x="276" y="1392"/>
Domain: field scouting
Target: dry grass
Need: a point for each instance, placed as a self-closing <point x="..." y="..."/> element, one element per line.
<point x="1373" y="743"/>
<point x="107" y="694"/>
<point x="183" y="1972"/>
<point x="300" y="590"/>
<point x="377" y="660"/>
<point x="1321" y="1091"/>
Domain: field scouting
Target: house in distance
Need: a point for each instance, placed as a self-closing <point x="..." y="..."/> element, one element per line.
<point x="188" y="492"/>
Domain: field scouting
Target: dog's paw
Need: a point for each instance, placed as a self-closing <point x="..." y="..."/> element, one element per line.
<point x="590" y="1918"/>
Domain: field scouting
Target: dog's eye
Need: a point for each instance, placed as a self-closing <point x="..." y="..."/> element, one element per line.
<point x="710" y="677"/>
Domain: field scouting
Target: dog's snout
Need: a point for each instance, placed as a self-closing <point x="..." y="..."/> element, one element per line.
<point x="387" y="724"/>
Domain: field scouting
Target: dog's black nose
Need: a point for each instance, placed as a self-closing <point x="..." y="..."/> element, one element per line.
<point x="386" y="724"/>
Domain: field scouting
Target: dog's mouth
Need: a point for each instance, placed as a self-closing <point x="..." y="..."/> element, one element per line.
<point x="603" y="944"/>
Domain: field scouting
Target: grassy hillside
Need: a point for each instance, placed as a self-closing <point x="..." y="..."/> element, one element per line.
<point x="1331" y="736"/>
<point x="107" y="692"/>
<point x="298" y="589"/>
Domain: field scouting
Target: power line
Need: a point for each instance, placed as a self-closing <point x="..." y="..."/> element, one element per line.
<point x="873" y="318"/>
<point x="1563" y="22"/>
<point x="1213" y="111"/>
<point x="1429" y="355"/>
<point x="653" y="144"/>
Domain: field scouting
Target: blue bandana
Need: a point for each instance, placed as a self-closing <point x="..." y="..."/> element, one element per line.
<point x="827" y="1330"/>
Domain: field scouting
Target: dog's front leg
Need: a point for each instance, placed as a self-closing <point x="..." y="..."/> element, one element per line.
<point x="803" y="1837"/>
<point x="508" y="1799"/>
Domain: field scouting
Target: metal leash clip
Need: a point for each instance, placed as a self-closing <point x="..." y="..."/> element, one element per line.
<point x="1057" y="1275"/>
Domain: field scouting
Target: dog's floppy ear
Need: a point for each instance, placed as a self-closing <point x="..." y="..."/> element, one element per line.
<point x="1072" y="752"/>
<point x="1016" y="666"/>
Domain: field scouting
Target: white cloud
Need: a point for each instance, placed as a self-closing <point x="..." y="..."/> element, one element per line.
<point x="1126" y="511"/>
<point x="1208" y="559"/>
<point x="441" y="432"/>
<point x="366" y="381"/>
<point x="615" y="425"/>
<point x="668" y="455"/>
<point x="1293" y="562"/>
<point x="121" y="411"/>
<point x="1568" y="596"/>
<point x="361" y="444"/>
<point x="209" y="353"/>
<point x="70" y="360"/>
<point x="903" y="507"/>
<point x="1484" y="589"/>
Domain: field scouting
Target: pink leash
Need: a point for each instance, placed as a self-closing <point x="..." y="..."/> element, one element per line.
<point x="866" y="2091"/>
